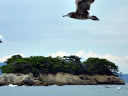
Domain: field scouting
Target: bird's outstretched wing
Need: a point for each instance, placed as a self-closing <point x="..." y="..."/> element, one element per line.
<point x="83" y="5"/>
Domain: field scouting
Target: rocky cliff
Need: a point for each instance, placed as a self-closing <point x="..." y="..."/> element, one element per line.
<point x="58" y="79"/>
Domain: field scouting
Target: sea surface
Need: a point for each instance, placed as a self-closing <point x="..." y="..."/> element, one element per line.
<point x="67" y="90"/>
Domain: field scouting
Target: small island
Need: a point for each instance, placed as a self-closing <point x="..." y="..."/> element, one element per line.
<point x="66" y="70"/>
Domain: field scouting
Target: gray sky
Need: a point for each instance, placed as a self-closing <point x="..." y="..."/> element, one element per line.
<point x="36" y="27"/>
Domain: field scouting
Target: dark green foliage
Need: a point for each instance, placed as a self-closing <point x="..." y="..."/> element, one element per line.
<point x="72" y="58"/>
<point x="13" y="59"/>
<point x="100" y="66"/>
<point x="67" y="64"/>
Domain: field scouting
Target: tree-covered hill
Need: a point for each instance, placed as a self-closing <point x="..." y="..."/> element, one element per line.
<point x="67" y="64"/>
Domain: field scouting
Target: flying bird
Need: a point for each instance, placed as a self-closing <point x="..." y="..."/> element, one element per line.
<point x="0" y="41"/>
<point x="82" y="7"/>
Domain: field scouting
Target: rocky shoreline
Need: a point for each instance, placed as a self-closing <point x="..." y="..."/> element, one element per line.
<point x="57" y="79"/>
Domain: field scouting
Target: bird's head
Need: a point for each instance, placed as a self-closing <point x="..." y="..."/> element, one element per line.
<point x="94" y="18"/>
<point x="68" y="15"/>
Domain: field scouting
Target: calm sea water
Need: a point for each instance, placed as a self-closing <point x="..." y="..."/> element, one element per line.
<point x="67" y="90"/>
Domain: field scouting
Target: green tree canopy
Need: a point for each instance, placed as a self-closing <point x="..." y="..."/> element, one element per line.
<point x="100" y="66"/>
<point x="67" y="64"/>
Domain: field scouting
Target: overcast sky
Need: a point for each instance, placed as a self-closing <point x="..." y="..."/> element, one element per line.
<point x="36" y="27"/>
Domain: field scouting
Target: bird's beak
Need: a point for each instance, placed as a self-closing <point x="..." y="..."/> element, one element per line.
<point x="97" y="19"/>
<point x="65" y="15"/>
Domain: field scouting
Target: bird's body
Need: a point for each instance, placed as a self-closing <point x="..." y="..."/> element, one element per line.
<point x="78" y="16"/>
<point x="82" y="7"/>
